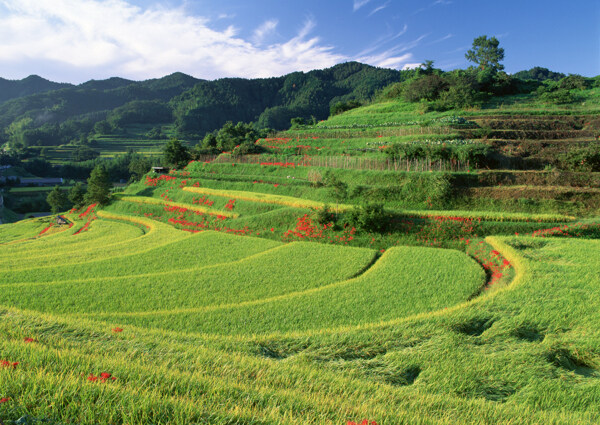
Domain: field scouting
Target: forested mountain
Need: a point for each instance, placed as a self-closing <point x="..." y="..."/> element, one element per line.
<point x="11" y="89"/>
<point x="539" y="74"/>
<point x="195" y="106"/>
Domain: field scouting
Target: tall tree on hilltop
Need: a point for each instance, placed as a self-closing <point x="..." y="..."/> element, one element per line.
<point x="176" y="154"/>
<point x="56" y="199"/>
<point x="77" y="195"/>
<point x="486" y="53"/>
<point x="99" y="185"/>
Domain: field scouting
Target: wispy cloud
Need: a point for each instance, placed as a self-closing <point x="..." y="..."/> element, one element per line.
<point x="380" y="8"/>
<point x="360" y="3"/>
<point x="383" y="41"/>
<point x="267" y="28"/>
<point x="395" y="57"/>
<point x="444" y="38"/>
<point x="101" y="38"/>
<point x="435" y="3"/>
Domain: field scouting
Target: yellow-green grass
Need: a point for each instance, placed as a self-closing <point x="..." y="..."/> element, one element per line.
<point x="503" y="375"/>
<point x="190" y="254"/>
<point x="397" y="285"/>
<point x="101" y="240"/>
<point x="64" y="247"/>
<point x="288" y="201"/>
<point x="491" y="215"/>
<point x="190" y="207"/>
<point x="21" y="230"/>
<point x="303" y="203"/>
<point x="283" y="269"/>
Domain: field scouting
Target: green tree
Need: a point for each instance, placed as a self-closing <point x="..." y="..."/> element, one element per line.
<point x="56" y="199"/>
<point x="139" y="166"/>
<point x="426" y="67"/>
<point x="486" y="53"/>
<point x="77" y="195"/>
<point x="99" y="185"/>
<point x="175" y="154"/>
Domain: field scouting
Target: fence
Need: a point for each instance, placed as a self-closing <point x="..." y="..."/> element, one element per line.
<point x="345" y="162"/>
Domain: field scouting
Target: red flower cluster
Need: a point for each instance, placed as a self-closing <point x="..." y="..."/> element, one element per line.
<point x="7" y="364"/>
<point x="46" y="229"/>
<point x="491" y="260"/>
<point x="306" y="229"/>
<point x="89" y="210"/>
<point x="364" y="422"/>
<point x="566" y="230"/>
<point x="104" y="377"/>
<point x="29" y="340"/>
<point x="117" y="330"/>
<point x="230" y="204"/>
<point x="203" y="201"/>
<point x="280" y="164"/>
<point x="447" y="228"/>
<point x="280" y="140"/>
<point x="4" y="400"/>
<point x="84" y="227"/>
<point x="154" y="182"/>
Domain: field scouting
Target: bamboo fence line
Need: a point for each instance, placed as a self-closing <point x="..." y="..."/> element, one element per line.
<point x="362" y="132"/>
<point x="346" y="162"/>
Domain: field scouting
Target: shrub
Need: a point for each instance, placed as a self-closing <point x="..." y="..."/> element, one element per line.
<point x="426" y="87"/>
<point x="340" y="107"/>
<point x="369" y="217"/>
<point x="323" y="215"/>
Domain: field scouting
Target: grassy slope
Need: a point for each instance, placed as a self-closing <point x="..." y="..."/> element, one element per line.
<point x="310" y="334"/>
<point x="495" y="360"/>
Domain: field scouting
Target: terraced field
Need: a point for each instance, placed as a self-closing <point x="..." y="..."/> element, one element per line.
<point x="217" y="328"/>
<point x="259" y="291"/>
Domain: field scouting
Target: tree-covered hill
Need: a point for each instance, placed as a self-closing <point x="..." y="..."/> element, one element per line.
<point x="11" y="89"/>
<point x="196" y="106"/>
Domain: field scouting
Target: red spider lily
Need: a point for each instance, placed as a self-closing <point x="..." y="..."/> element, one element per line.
<point x="104" y="377"/>
<point x="4" y="400"/>
<point x="364" y="422"/>
<point x="83" y="228"/>
<point x="7" y="364"/>
<point x="230" y="204"/>
<point x="46" y="229"/>
<point x="89" y="209"/>
<point x="29" y="340"/>
<point x="117" y="330"/>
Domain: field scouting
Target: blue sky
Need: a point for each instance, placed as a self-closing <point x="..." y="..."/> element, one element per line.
<point x="78" y="40"/>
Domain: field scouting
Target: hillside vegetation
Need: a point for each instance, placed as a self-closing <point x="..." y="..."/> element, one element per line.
<point x="399" y="262"/>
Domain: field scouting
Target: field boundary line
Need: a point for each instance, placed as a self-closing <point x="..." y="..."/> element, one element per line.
<point x="93" y="279"/>
<point x="364" y="271"/>
<point x="519" y="263"/>
<point x="264" y="198"/>
<point x="183" y="236"/>
<point x="153" y="201"/>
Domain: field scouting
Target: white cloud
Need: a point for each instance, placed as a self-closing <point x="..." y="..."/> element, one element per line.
<point x="102" y="38"/>
<point x="384" y="60"/>
<point x="360" y="3"/>
<point x="267" y="28"/>
<point x="380" y="8"/>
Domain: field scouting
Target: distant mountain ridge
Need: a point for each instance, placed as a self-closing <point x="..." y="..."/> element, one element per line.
<point x="11" y="89"/>
<point x="49" y="113"/>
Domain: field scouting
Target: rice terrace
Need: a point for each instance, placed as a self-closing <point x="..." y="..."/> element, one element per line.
<point x="365" y="246"/>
